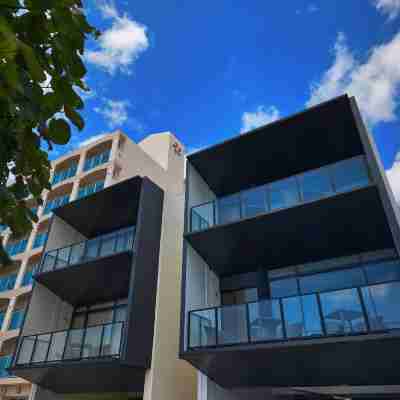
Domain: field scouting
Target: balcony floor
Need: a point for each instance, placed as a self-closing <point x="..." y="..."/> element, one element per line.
<point x="100" y="279"/>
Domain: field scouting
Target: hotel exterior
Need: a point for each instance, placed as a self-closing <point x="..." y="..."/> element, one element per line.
<point x="100" y="315"/>
<point x="291" y="270"/>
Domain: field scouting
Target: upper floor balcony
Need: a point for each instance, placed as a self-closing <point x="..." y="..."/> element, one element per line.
<point x="92" y="161"/>
<point x="61" y="174"/>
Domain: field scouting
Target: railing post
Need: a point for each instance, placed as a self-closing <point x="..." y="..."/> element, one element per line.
<point x="364" y="309"/>
<point x="48" y="347"/>
<point x="248" y="323"/>
<point x="284" y="334"/>
<point x="321" y="314"/>
<point x="216" y="325"/>
<point x="101" y="340"/>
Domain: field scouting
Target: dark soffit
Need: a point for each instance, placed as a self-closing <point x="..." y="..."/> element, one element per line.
<point x="110" y="209"/>
<point x="318" y="136"/>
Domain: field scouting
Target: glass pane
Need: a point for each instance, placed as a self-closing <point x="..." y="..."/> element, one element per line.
<point x="254" y="202"/>
<point x="91" y="346"/>
<point x="77" y="252"/>
<point x="315" y="184"/>
<point x="311" y="317"/>
<point x="107" y="244"/>
<point x="62" y="258"/>
<point x="120" y="314"/>
<point x="202" y="216"/>
<point x="383" y="271"/>
<point x="349" y="174"/>
<point x="284" y="288"/>
<point x="342" y="312"/>
<point x="99" y="317"/>
<point x="49" y="260"/>
<point x="41" y="347"/>
<point x="74" y="344"/>
<point x="25" y="352"/>
<point x="57" y="346"/>
<point x="382" y="304"/>
<point x="265" y="321"/>
<point x="112" y="339"/>
<point x="332" y="280"/>
<point x="202" y="328"/>
<point x="283" y="193"/>
<point x="92" y="247"/>
<point x="293" y="316"/>
<point x="232" y="324"/>
<point x="228" y="209"/>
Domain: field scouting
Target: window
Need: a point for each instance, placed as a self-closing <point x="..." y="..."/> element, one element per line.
<point x="283" y="193"/>
<point x="40" y="240"/>
<point x="90" y="189"/>
<point x="202" y="216"/>
<point x="239" y="296"/>
<point x="229" y="209"/>
<point x="315" y="184"/>
<point x="284" y="287"/>
<point x="349" y="174"/>
<point x="254" y="202"/>
<point x="16" y="319"/>
<point x="96" y="160"/>
<point x="383" y="271"/>
<point x="18" y="247"/>
<point x="64" y="174"/>
<point x="55" y="203"/>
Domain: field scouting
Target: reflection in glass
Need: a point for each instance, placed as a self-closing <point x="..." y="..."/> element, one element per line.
<point x="265" y="321"/>
<point x="62" y="257"/>
<point x="57" y="346"/>
<point x="229" y="209"/>
<point x="202" y="216"/>
<point x="92" y="248"/>
<point x="284" y="287"/>
<point x="112" y="339"/>
<point x="91" y="345"/>
<point x="254" y="202"/>
<point x="315" y="184"/>
<point x="349" y="174"/>
<point x="120" y="314"/>
<point x="293" y="316"/>
<point x="77" y="252"/>
<point x="383" y="271"/>
<point x="25" y="351"/>
<point x="382" y="304"/>
<point x="49" y="260"/>
<point x="107" y="244"/>
<point x="41" y="347"/>
<point x="232" y="324"/>
<point x="283" y="193"/>
<point x="202" y="328"/>
<point x="74" y="344"/>
<point x="342" y="312"/>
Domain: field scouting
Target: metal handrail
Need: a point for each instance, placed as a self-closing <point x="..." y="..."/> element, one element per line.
<point x="120" y="233"/>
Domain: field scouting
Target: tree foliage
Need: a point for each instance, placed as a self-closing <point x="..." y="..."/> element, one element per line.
<point x="41" y="47"/>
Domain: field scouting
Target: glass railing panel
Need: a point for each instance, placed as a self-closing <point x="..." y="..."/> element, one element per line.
<point x="265" y="321"/>
<point x="232" y="324"/>
<point x="5" y="362"/>
<point x="112" y="339"/>
<point x="57" y="346"/>
<point x="49" y="261"/>
<point x="229" y="209"/>
<point x="343" y="313"/>
<point x="108" y="245"/>
<point x="284" y="194"/>
<point x="202" y="216"/>
<point x="202" y="328"/>
<point x="255" y="202"/>
<point x="8" y="282"/>
<point x="16" y="319"/>
<point x="92" y="248"/>
<point x="382" y="305"/>
<point x="349" y="174"/>
<point x="92" y="343"/>
<point x="73" y="346"/>
<point x="41" y="348"/>
<point x="26" y="349"/>
<point x="77" y="253"/>
<point x="62" y="257"/>
<point x="315" y="184"/>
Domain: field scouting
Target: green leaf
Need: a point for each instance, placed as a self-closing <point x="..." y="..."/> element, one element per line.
<point x="59" y="131"/>
<point x="74" y="117"/>
<point x="32" y="63"/>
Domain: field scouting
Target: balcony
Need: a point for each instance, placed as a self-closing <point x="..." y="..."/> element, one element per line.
<point x="5" y="362"/>
<point x="62" y="175"/>
<point x="90" y="263"/>
<point x="55" y="203"/>
<point x="7" y="282"/>
<point x="91" y="188"/>
<point x="94" y="342"/>
<point x="16" y="247"/>
<point x="95" y="160"/>
<point x="17" y="319"/>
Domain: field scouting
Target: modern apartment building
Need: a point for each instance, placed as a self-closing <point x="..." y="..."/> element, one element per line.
<point x="291" y="270"/>
<point x="102" y="315"/>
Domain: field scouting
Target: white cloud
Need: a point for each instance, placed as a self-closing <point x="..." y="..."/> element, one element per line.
<point x="393" y="175"/>
<point x="261" y="116"/>
<point x="389" y="7"/>
<point x="121" y="44"/>
<point x="114" y="111"/>
<point x="91" y="139"/>
<point x="375" y="83"/>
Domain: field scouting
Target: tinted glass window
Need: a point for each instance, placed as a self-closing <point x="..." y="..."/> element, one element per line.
<point x="283" y="193"/>
<point x="284" y="287"/>
<point x="383" y="271"/>
<point x="349" y="174"/>
<point x="229" y="209"/>
<point x="315" y="184"/>
<point x="332" y="280"/>
<point x="240" y="296"/>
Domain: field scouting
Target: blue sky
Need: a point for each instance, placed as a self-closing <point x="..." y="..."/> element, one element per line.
<point x="207" y="70"/>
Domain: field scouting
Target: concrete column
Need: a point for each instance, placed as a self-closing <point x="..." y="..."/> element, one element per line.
<point x="7" y="317"/>
<point x="21" y="272"/>
<point x="113" y="158"/>
<point x="75" y="187"/>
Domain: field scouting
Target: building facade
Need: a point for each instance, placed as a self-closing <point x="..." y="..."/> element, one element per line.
<point x="291" y="270"/>
<point x="115" y="206"/>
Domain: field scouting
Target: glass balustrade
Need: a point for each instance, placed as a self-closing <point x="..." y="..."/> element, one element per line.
<point x="101" y="246"/>
<point x="16" y="319"/>
<point x="28" y="277"/>
<point x="98" y="159"/>
<point x="309" y="186"/>
<point x="96" y="341"/>
<point x="15" y="248"/>
<point x="5" y="362"/>
<point x="352" y="311"/>
<point x="55" y="203"/>
<point x="40" y="240"/>
<point x="64" y="174"/>
<point x="90" y="189"/>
